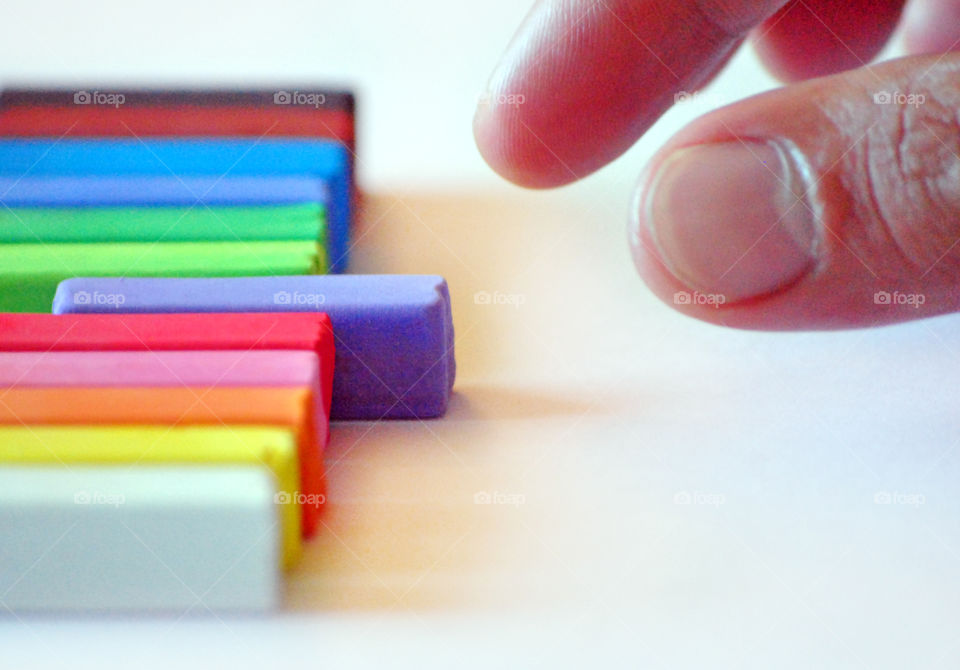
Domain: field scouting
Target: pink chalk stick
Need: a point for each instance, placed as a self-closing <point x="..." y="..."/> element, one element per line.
<point x="202" y="369"/>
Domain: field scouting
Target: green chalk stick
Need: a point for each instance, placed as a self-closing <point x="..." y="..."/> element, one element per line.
<point x="31" y="225"/>
<point x="30" y="273"/>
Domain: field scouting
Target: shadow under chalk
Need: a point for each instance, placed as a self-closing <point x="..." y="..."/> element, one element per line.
<point x="402" y="529"/>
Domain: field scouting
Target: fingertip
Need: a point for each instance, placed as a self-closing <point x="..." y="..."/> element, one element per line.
<point x="815" y="38"/>
<point x="932" y="27"/>
<point x="516" y="125"/>
<point x="508" y="151"/>
<point x="581" y="82"/>
<point x="645" y="252"/>
<point x="782" y="61"/>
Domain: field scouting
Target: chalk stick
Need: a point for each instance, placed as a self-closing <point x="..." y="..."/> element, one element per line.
<point x="30" y="273"/>
<point x="171" y="157"/>
<point x="140" y="96"/>
<point x="115" y="539"/>
<point x="183" y="120"/>
<point x="159" y="191"/>
<point x="272" y="448"/>
<point x="185" y="332"/>
<point x="162" y="224"/>
<point x="122" y="369"/>
<point x="394" y="333"/>
<point x="222" y="121"/>
<point x="324" y="160"/>
<point x="290" y="408"/>
<point x="283" y="111"/>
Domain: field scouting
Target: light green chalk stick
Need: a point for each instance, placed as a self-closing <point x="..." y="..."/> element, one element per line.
<point x="32" y="225"/>
<point x="30" y="273"/>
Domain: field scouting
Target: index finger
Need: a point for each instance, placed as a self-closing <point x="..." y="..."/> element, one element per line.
<point x="583" y="79"/>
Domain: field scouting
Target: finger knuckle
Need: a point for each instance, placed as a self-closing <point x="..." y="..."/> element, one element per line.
<point x="912" y="179"/>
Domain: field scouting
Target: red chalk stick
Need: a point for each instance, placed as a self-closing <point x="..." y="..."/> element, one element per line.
<point x="306" y="111"/>
<point x="185" y="120"/>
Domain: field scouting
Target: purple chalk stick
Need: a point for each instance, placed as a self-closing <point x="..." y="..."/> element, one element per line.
<point x="153" y="191"/>
<point x="393" y="333"/>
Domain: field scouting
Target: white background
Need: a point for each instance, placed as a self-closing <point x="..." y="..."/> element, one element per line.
<point x="597" y="407"/>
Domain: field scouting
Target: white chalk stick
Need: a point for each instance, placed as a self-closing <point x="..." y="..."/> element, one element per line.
<point x="138" y="539"/>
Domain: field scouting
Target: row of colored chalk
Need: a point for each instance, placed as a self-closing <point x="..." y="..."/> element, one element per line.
<point x="170" y="184"/>
<point x="162" y="431"/>
<point x="189" y="380"/>
<point x="254" y="419"/>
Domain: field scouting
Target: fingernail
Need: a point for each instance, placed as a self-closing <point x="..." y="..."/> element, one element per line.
<point x="732" y="219"/>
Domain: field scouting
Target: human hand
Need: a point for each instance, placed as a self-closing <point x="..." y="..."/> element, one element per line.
<point x="829" y="203"/>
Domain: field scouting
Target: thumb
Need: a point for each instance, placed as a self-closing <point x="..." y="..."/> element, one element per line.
<point x="833" y="203"/>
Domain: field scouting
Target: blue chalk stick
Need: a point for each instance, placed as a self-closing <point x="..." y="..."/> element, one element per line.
<point x="325" y="160"/>
<point x="393" y="333"/>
